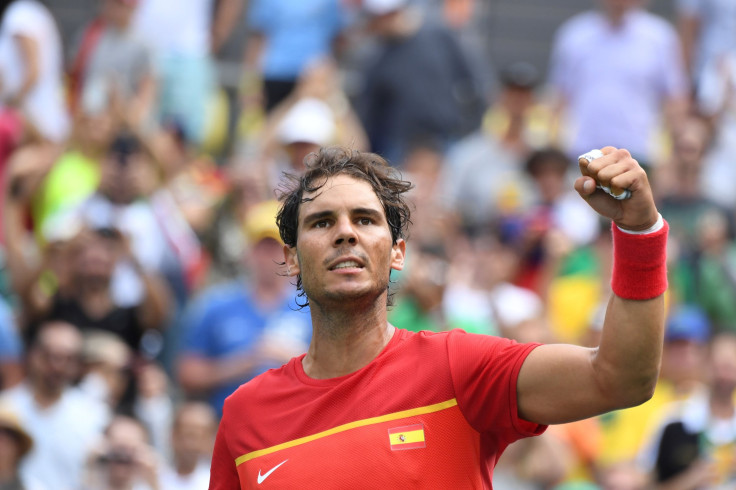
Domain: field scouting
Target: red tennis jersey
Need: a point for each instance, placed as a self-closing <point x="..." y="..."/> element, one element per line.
<point x="433" y="410"/>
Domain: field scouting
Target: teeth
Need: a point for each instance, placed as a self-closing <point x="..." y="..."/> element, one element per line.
<point x="345" y="265"/>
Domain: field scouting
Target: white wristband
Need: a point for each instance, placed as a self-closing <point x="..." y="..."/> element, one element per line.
<point x="655" y="227"/>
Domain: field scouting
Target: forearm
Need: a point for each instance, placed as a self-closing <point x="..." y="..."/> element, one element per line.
<point x="628" y="359"/>
<point x="29" y="52"/>
<point x="225" y="19"/>
<point x="154" y="309"/>
<point x="198" y="375"/>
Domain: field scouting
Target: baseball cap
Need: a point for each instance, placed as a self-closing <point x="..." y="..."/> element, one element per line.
<point x="687" y="322"/>
<point x="260" y="222"/>
<point x="309" y="121"/>
<point x="9" y="421"/>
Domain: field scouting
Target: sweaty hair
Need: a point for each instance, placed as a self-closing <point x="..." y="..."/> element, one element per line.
<point x="330" y="162"/>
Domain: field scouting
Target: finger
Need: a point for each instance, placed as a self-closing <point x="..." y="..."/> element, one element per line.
<point x="608" y="176"/>
<point x="585" y="186"/>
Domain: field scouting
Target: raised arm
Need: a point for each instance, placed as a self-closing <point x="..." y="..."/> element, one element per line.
<point x="562" y="383"/>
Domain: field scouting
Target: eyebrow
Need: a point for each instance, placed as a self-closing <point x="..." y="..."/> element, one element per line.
<point x="312" y="217"/>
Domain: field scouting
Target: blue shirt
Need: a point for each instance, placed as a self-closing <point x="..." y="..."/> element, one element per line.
<point x="226" y="322"/>
<point x="297" y="32"/>
<point x="10" y="345"/>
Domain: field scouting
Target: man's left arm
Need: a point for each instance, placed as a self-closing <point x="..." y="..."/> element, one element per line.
<point x="562" y="383"/>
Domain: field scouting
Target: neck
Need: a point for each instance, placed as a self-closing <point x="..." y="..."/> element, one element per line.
<point x="186" y="466"/>
<point x="346" y="340"/>
<point x="46" y="398"/>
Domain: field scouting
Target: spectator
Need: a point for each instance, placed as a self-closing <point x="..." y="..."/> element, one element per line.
<point x="185" y="36"/>
<point x="62" y="420"/>
<point x="15" y="443"/>
<point x="237" y="330"/>
<point x="419" y="302"/>
<point x="317" y="113"/>
<point x="556" y="225"/>
<point x="647" y="78"/>
<point x="112" y="63"/>
<point x="128" y="178"/>
<point x="123" y="460"/>
<point x="192" y="438"/>
<point x="285" y="38"/>
<point x="688" y="207"/>
<point x="706" y="29"/>
<point x="410" y="95"/>
<point x="694" y="447"/>
<point x="716" y="100"/>
<point x="31" y="64"/>
<point x="483" y="177"/>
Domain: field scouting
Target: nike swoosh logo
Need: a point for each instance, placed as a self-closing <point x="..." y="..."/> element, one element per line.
<point x="268" y="473"/>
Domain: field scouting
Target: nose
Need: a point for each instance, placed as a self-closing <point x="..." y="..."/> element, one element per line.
<point x="345" y="232"/>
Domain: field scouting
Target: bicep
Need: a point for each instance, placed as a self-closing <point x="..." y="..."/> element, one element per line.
<point x="557" y="384"/>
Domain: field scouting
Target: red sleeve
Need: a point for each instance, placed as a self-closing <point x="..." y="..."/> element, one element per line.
<point x="484" y="372"/>
<point x="223" y="473"/>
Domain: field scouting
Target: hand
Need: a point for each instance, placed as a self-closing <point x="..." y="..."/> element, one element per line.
<point x="27" y="168"/>
<point x="616" y="169"/>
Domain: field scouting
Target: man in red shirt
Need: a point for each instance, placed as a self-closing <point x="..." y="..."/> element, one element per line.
<point x="372" y="406"/>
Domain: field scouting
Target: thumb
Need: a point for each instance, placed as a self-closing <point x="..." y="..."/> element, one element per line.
<point x="585" y="186"/>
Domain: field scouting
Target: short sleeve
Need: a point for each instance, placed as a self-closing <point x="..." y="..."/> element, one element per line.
<point x="223" y="471"/>
<point x="20" y="19"/>
<point x="484" y="371"/>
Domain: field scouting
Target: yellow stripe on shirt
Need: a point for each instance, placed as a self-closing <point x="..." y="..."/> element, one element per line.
<point x="352" y="425"/>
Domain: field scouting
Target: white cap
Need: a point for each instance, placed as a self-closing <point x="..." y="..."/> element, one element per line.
<point x="381" y="7"/>
<point x="308" y="121"/>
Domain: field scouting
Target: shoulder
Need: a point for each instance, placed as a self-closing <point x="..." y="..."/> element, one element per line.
<point x="580" y="26"/>
<point x="652" y="25"/>
<point x="24" y="11"/>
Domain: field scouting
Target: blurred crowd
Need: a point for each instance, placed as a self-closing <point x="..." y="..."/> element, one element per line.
<point x="140" y="264"/>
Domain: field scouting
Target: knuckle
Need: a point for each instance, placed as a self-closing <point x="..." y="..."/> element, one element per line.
<point x="623" y="154"/>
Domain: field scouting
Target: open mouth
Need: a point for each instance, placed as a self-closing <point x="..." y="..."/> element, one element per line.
<point x="347" y="264"/>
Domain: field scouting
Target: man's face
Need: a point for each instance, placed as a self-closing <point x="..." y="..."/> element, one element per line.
<point x="54" y="360"/>
<point x="344" y="249"/>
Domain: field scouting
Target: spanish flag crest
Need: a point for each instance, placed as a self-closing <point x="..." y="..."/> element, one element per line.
<point x="407" y="437"/>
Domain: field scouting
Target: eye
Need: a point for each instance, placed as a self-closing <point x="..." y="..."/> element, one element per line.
<point x="365" y="221"/>
<point x="321" y="223"/>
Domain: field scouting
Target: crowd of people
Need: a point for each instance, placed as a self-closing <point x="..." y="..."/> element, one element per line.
<point x="142" y="273"/>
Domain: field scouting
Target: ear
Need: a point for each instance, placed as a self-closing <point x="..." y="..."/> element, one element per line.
<point x="292" y="261"/>
<point x="398" y="253"/>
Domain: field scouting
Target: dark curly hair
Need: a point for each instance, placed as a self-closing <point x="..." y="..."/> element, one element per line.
<point x="330" y="162"/>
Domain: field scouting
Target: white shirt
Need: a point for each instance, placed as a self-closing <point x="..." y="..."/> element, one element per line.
<point x="717" y="19"/>
<point x="616" y="78"/>
<point x="175" y="27"/>
<point x="197" y="480"/>
<point x="62" y="435"/>
<point x="44" y="105"/>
